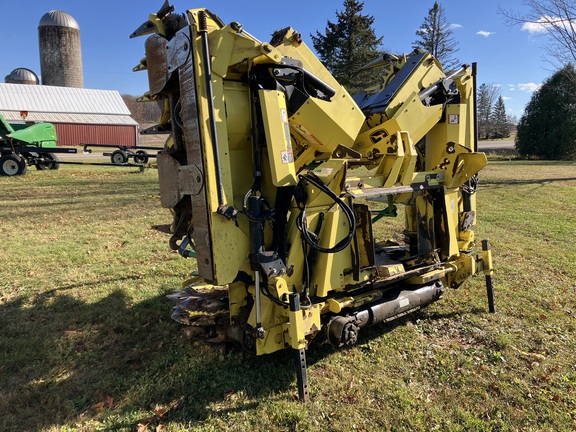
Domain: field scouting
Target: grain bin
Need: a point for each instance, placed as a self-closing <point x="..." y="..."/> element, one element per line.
<point x="60" y="51"/>
<point x="22" y="76"/>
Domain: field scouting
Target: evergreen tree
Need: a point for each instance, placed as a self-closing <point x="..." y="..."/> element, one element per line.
<point x="547" y="129"/>
<point x="349" y="44"/>
<point x="436" y="37"/>
<point x="499" y="120"/>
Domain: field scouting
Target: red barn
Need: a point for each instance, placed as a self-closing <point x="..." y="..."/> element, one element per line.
<point x="81" y="116"/>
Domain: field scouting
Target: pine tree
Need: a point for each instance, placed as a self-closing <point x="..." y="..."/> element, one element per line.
<point x="547" y="129"/>
<point x="485" y="101"/>
<point x="349" y="44"/>
<point x="499" y="120"/>
<point x="436" y="37"/>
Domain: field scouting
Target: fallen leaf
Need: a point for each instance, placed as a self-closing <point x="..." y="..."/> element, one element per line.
<point x="98" y="407"/>
<point x="144" y="423"/>
<point x="160" y="410"/>
<point x="533" y="356"/>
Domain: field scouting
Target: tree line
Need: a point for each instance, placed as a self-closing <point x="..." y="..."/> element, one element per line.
<point x="493" y="120"/>
<point x="145" y="113"/>
<point x="350" y="42"/>
<point x="547" y="129"/>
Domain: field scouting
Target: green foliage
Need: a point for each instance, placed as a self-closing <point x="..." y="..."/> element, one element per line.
<point x="547" y="130"/>
<point x="348" y="45"/>
<point x="499" y="120"/>
<point x="436" y="37"/>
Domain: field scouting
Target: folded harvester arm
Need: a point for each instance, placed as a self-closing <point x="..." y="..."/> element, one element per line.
<point x="274" y="173"/>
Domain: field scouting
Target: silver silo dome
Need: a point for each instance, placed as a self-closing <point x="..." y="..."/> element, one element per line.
<point x="60" y="50"/>
<point x="22" y="76"/>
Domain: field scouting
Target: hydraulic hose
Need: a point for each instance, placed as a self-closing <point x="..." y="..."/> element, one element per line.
<point x="302" y="223"/>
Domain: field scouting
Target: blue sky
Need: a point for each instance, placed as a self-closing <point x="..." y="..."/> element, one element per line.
<point x="509" y="57"/>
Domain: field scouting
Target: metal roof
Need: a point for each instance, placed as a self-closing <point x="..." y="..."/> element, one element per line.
<point x="99" y="119"/>
<point x="70" y="100"/>
<point x="58" y="19"/>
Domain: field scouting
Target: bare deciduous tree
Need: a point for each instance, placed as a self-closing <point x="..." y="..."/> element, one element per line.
<point x="143" y="112"/>
<point x="555" y="19"/>
<point x="486" y="99"/>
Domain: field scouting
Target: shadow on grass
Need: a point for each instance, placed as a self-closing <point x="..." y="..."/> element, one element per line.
<point x="65" y="362"/>
<point x="509" y="183"/>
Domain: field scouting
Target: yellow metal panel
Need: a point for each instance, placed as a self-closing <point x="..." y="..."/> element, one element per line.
<point x="314" y="122"/>
<point x="277" y="130"/>
<point x="224" y="235"/>
<point x="452" y="211"/>
<point x="335" y="228"/>
<point x="409" y="163"/>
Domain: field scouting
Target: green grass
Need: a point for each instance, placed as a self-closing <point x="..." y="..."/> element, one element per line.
<point x="86" y="342"/>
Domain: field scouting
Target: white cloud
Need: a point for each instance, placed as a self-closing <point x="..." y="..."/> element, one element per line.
<point x="506" y="98"/>
<point x="511" y="87"/>
<point x="542" y="24"/>
<point x="529" y="87"/>
<point x="455" y="26"/>
<point x="538" y="26"/>
<point x="484" y="33"/>
<point x="533" y="27"/>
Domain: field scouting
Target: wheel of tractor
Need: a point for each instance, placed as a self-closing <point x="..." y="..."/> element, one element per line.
<point x="40" y="163"/>
<point x="141" y="157"/>
<point x="47" y="161"/>
<point x="51" y="161"/>
<point x="119" y="157"/>
<point x="11" y="165"/>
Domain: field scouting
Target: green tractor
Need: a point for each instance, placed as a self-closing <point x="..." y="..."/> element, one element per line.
<point x="23" y="145"/>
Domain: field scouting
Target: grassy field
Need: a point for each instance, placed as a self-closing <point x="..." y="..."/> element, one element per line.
<point x="86" y="342"/>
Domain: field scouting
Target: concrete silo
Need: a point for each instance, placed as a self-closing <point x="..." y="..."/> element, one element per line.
<point x="60" y="51"/>
<point x="22" y="76"/>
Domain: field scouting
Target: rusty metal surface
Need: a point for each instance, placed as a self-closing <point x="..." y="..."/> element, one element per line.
<point x="178" y="49"/>
<point x="169" y="180"/>
<point x="191" y="180"/>
<point x="195" y="154"/>
<point x="364" y="235"/>
<point x="157" y="63"/>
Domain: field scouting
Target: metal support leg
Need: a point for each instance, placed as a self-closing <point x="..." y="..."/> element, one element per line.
<point x="302" y="377"/>
<point x="300" y="357"/>
<point x="488" y="273"/>
<point x="258" y="300"/>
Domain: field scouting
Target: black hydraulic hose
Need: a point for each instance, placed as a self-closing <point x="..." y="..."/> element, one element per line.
<point x="308" y="77"/>
<point x="303" y="224"/>
<point x="203" y="30"/>
<point x="474" y="96"/>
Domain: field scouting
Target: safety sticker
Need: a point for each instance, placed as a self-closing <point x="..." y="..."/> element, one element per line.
<point x="287" y="156"/>
<point x="287" y="136"/>
<point x="283" y="115"/>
